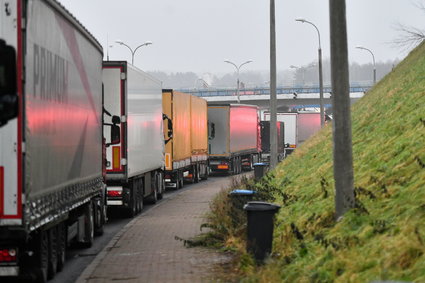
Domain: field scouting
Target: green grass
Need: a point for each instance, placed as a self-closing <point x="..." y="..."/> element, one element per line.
<point x="383" y="238"/>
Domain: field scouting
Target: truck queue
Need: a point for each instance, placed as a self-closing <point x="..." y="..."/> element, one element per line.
<point x="79" y="135"/>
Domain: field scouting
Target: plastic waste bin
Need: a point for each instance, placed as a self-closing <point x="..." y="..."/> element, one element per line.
<point x="238" y="199"/>
<point x="260" y="228"/>
<point x="259" y="170"/>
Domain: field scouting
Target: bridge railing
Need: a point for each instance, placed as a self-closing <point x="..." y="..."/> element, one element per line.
<point x="266" y="91"/>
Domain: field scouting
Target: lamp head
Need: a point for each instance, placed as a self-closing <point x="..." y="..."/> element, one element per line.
<point x="119" y="41"/>
<point x="359" y="47"/>
<point x="148" y="42"/>
<point x="300" y="20"/>
<point x="293" y="67"/>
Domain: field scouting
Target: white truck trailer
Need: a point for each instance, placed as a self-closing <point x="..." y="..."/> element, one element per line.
<point x="299" y="127"/>
<point x="51" y="145"/>
<point x="290" y="121"/>
<point x="135" y="165"/>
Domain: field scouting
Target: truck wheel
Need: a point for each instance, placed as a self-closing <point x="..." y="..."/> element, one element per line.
<point x="131" y="209"/>
<point x="88" y="225"/>
<point x="206" y="173"/>
<point x="41" y="257"/>
<point x="53" y="252"/>
<point x="181" y="180"/>
<point x="61" y="246"/>
<point x="100" y="218"/>
<point x="141" y="194"/>
<point x="196" y="174"/>
<point x="161" y="185"/>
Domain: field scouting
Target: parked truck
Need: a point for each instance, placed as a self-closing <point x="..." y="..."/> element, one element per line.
<point x="265" y="141"/>
<point x="186" y="137"/>
<point x="299" y="126"/>
<point x="308" y="125"/>
<point x="290" y="120"/>
<point x="234" y="142"/>
<point x="52" y="191"/>
<point x="135" y="165"/>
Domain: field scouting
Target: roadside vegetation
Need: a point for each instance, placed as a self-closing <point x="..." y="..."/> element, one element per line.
<point x="383" y="238"/>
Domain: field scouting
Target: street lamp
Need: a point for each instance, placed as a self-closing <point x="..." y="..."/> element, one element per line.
<point x="131" y="50"/>
<point x="373" y="57"/>
<point x="237" y="71"/>
<point x="322" y="114"/>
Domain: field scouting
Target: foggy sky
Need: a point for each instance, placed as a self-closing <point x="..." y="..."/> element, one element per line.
<point x="197" y="35"/>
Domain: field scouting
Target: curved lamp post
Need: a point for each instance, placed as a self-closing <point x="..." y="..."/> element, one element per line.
<point x="131" y="50"/>
<point x="237" y="71"/>
<point x="322" y="116"/>
<point x="373" y="58"/>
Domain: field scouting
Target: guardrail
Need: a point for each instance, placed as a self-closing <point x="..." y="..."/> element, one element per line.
<point x="266" y="91"/>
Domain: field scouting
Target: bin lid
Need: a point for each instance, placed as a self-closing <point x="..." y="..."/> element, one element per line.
<point x="261" y="164"/>
<point x="242" y="192"/>
<point x="260" y="206"/>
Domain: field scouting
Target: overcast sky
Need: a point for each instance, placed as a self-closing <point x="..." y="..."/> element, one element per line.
<point x="197" y="35"/>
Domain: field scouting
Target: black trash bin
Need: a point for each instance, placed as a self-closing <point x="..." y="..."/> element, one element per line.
<point x="238" y="199"/>
<point x="260" y="170"/>
<point x="260" y="228"/>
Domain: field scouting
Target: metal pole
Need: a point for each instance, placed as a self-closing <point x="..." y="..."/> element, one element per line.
<point x="342" y="148"/>
<point x="322" y="110"/>
<point x="273" y="98"/>
<point x="373" y="59"/>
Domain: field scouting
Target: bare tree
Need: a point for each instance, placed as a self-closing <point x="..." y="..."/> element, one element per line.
<point x="409" y="37"/>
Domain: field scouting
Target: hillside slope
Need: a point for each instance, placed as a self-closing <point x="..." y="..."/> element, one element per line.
<point x="384" y="237"/>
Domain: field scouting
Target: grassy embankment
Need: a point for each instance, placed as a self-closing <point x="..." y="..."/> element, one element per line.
<point x="383" y="238"/>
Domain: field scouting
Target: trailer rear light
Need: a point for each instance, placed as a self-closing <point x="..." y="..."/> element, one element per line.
<point x="292" y="146"/>
<point x="116" y="157"/>
<point x="114" y="193"/>
<point x="223" y="166"/>
<point x="8" y="255"/>
<point x="189" y="176"/>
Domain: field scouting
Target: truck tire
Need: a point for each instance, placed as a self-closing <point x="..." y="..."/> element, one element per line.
<point x="139" y="190"/>
<point x="88" y="225"/>
<point x="40" y="259"/>
<point x="99" y="217"/>
<point x="161" y="185"/>
<point x="196" y="174"/>
<point x="53" y="252"/>
<point x="206" y="173"/>
<point x="61" y="246"/>
<point x="131" y="209"/>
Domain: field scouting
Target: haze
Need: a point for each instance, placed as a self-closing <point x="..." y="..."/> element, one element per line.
<point x="196" y="36"/>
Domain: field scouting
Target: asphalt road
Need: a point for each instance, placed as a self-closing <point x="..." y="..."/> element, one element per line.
<point x="78" y="259"/>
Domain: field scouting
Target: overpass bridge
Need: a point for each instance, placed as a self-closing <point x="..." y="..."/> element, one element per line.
<point x="287" y="97"/>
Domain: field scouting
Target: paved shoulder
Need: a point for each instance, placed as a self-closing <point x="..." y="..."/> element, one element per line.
<point x="146" y="250"/>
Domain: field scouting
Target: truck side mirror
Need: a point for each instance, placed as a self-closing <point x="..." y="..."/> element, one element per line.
<point x="8" y="87"/>
<point x="115" y="134"/>
<point x="169" y="127"/>
<point x="116" y="120"/>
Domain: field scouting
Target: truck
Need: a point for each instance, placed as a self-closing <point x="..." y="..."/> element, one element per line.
<point x="186" y="138"/>
<point x="290" y="121"/>
<point x="308" y="125"/>
<point x="265" y="141"/>
<point x="299" y="126"/>
<point x="135" y="166"/>
<point x="234" y="139"/>
<point x="52" y="191"/>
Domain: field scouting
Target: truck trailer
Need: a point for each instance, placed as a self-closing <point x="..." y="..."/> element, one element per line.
<point x="299" y="126"/>
<point x="186" y="137"/>
<point x="52" y="190"/>
<point x="134" y="167"/>
<point x="234" y="141"/>
<point x="265" y="141"/>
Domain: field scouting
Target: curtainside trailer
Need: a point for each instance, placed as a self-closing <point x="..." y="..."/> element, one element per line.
<point x="52" y="191"/>
<point x="234" y="139"/>
<point x="186" y="138"/>
<point x="135" y="165"/>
